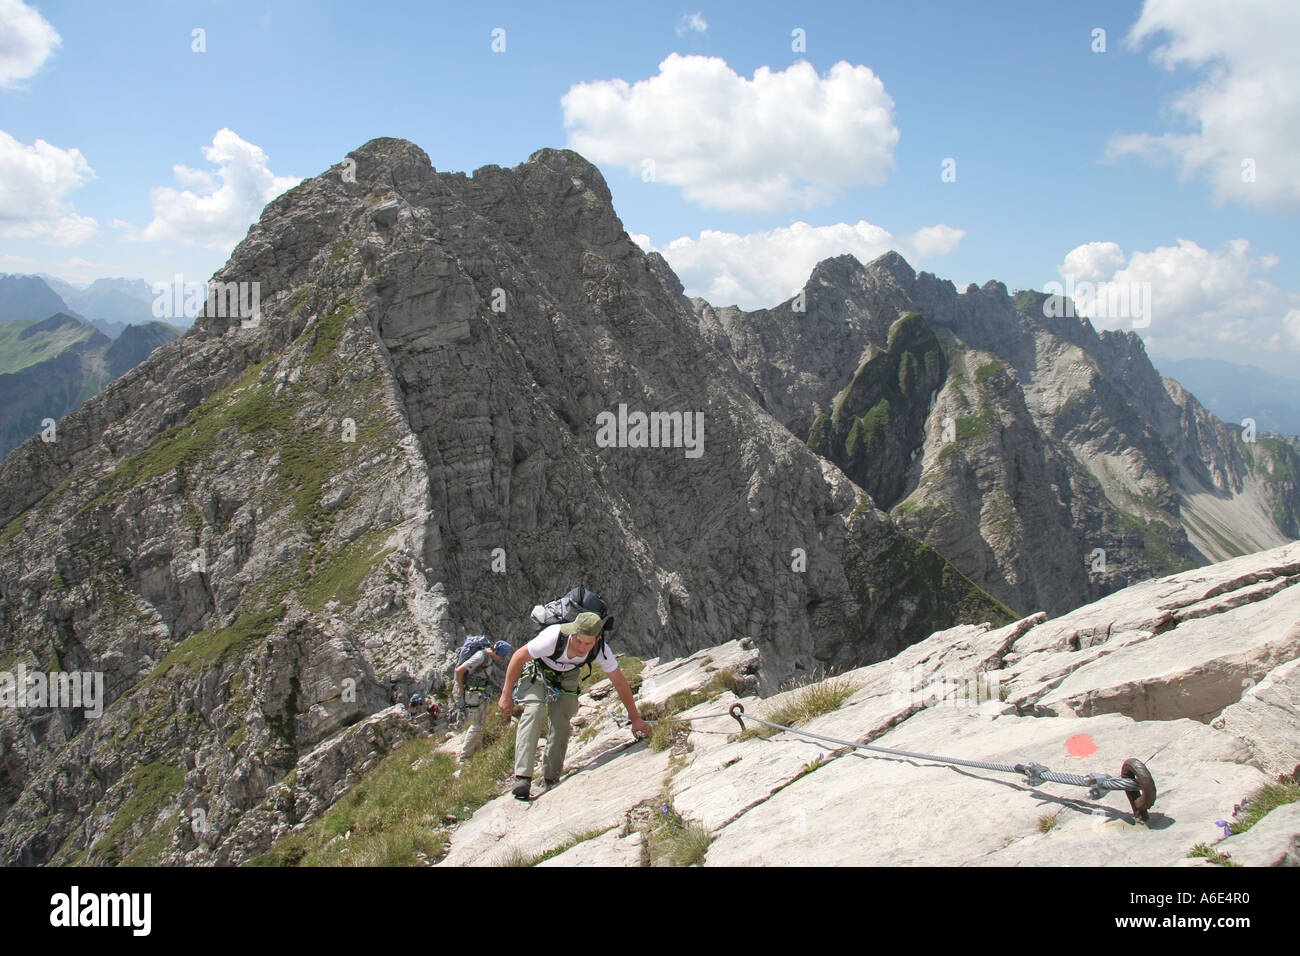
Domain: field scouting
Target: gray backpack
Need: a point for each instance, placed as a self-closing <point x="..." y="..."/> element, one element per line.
<point x="566" y="609"/>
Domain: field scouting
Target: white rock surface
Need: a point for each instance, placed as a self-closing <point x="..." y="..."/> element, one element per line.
<point x="1157" y="672"/>
<point x="608" y="849"/>
<point x="1267" y="718"/>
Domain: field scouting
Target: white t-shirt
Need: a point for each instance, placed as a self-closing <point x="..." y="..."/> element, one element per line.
<point x="544" y="643"/>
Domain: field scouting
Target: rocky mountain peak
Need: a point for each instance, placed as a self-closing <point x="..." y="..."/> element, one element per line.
<point x="56" y="321"/>
<point x="382" y="160"/>
<point x="841" y="271"/>
<point x="1032" y="421"/>
<point x="893" y="265"/>
<point x="571" y="163"/>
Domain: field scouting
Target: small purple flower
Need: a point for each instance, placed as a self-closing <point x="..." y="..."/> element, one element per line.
<point x="1227" y="828"/>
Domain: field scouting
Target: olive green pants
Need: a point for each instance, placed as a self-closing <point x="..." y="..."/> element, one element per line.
<point x="558" y="714"/>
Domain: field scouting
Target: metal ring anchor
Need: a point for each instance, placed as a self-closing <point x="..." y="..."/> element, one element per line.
<point x="735" y="711"/>
<point x="1143" y="801"/>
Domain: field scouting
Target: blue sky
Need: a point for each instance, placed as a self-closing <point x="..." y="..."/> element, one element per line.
<point x="126" y="152"/>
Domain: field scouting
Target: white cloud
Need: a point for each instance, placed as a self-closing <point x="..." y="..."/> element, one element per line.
<point x="33" y="182"/>
<point x="781" y="140"/>
<point x="1244" y="113"/>
<point x="1291" y="330"/>
<point x="26" y="41"/>
<point x="762" y="269"/>
<point x="194" y="178"/>
<point x="1201" y="301"/>
<point x="1092" y="262"/>
<point x="691" y="23"/>
<point x="932" y="241"/>
<point x="216" y="209"/>
<point x="76" y="270"/>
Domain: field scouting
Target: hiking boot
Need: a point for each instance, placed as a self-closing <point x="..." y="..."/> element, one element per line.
<point x="522" y="787"/>
<point x="550" y="784"/>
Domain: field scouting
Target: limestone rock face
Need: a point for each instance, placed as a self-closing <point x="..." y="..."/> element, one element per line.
<point x="1049" y="462"/>
<point x="458" y="397"/>
<point x="1133" y="675"/>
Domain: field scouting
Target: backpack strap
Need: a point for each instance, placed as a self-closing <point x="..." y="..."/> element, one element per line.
<point x="595" y="652"/>
<point x="560" y="646"/>
<point x="479" y="675"/>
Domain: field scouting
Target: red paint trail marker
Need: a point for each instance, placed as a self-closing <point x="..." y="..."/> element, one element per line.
<point x="1080" y="745"/>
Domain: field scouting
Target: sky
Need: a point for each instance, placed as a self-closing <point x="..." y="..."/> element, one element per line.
<point x="1144" y="157"/>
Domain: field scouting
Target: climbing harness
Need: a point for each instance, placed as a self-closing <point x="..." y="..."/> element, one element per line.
<point x="533" y="671"/>
<point x="1135" y="780"/>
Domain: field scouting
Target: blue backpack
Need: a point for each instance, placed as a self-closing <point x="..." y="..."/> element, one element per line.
<point x="473" y="644"/>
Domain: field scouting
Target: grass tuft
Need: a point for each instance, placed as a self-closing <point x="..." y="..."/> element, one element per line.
<point x="1263" y="801"/>
<point x="519" y="858"/>
<point x="805" y="704"/>
<point x="1211" y="854"/>
<point x="672" y="841"/>
<point x="666" y="733"/>
<point x="395" y="815"/>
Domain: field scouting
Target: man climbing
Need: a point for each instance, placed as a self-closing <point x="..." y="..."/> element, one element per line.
<point x="473" y="694"/>
<point x="547" y="670"/>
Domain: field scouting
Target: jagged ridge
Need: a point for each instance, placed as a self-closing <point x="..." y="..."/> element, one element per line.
<point x="268" y="531"/>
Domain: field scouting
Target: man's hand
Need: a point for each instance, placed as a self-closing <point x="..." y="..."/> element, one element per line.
<point x="639" y="726"/>
<point x="506" y="705"/>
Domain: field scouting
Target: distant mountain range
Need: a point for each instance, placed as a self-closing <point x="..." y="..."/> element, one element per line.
<point x="1237" y="392"/>
<point x="28" y="297"/>
<point x="49" y="367"/>
<point x="1050" y="463"/>
<point x="110" y="305"/>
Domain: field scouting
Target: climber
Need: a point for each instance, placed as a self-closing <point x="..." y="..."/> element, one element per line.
<point x="419" y="702"/>
<point x="477" y="657"/>
<point x="547" y="671"/>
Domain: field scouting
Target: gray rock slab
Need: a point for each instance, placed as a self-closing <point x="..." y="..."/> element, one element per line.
<point x="608" y="849"/>
<point x="597" y="796"/>
<point x="1267" y="718"/>
<point x="1194" y="670"/>
<point x="860" y="810"/>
